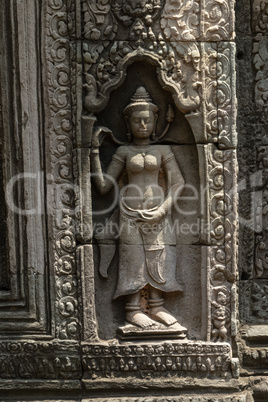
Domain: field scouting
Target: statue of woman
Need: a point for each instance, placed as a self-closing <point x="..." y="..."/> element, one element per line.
<point x="147" y="243"/>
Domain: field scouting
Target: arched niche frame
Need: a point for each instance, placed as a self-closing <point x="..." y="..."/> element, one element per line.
<point x="214" y="165"/>
<point x="187" y="99"/>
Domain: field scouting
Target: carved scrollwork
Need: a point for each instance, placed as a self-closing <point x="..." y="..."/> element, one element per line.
<point x="218" y="20"/>
<point x="260" y="60"/>
<point x="226" y="104"/>
<point x="180" y="20"/>
<point x="179" y="69"/>
<point x="196" y="398"/>
<point x="221" y="259"/>
<point x="59" y="23"/>
<point x="261" y="217"/>
<point x="99" y="22"/>
<point x="259" y="16"/>
<point x="259" y="300"/>
<point x="137" y="17"/>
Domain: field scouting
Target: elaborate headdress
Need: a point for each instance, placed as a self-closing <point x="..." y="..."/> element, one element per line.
<point x="140" y="101"/>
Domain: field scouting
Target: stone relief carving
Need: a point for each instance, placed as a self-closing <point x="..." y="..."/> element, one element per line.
<point x="179" y="64"/>
<point x="137" y="16"/>
<point x="99" y="22"/>
<point x="180" y="20"/>
<point x="185" y="68"/>
<point x="156" y="361"/>
<point x="259" y="17"/>
<point x="218" y="20"/>
<point x="180" y="69"/>
<point x="260" y="51"/>
<point x="144" y="215"/>
<point x="221" y="259"/>
<point x="226" y="101"/>
<point x="261" y="239"/>
<point x="39" y="360"/>
<point x="195" y="398"/>
<point x="62" y="196"/>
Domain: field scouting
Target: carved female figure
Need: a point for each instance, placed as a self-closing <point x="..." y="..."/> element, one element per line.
<point x="147" y="242"/>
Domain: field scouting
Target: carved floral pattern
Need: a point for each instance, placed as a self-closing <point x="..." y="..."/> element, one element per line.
<point x="260" y="14"/>
<point x="61" y="195"/>
<point x="180" y="20"/>
<point x="193" y="398"/>
<point x="260" y="49"/>
<point x="261" y="217"/>
<point x="255" y="357"/>
<point x="155" y="360"/>
<point x="222" y="258"/>
<point x="137" y="16"/>
<point x="225" y="95"/>
<point x="218" y="20"/>
<point x="179" y="64"/>
<point x="99" y="22"/>
<point x="259" y="300"/>
<point x="32" y="360"/>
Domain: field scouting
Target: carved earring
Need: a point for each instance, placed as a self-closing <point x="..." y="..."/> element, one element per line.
<point x="129" y="137"/>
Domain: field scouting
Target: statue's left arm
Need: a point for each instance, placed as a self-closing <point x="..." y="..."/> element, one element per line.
<point x="175" y="180"/>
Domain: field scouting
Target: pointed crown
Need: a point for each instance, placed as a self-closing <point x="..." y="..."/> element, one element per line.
<point x="141" y="100"/>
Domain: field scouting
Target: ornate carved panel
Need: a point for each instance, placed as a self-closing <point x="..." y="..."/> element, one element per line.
<point x="203" y="398"/>
<point x="103" y="65"/>
<point x="161" y="46"/>
<point x="208" y="20"/>
<point x="253" y="244"/>
<point x="61" y="195"/>
<point x="25" y="271"/>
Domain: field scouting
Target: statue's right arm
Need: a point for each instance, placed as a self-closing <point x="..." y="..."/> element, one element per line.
<point x="105" y="181"/>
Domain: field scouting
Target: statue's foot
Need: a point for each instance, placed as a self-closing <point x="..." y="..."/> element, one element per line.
<point x="159" y="313"/>
<point x="179" y="328"/>
<point x="140" y="319"/>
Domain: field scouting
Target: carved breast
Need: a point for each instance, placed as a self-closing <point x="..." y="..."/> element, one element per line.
<point x="149" y="160"/>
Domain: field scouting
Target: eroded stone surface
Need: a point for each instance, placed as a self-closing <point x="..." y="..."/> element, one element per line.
<point x="68" y="71"/>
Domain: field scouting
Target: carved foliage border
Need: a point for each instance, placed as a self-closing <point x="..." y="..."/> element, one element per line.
<point x="207" y="20"/>
<point x="155" y="360"/>
<point x="61" y="191"/>
<point x="39" y="360"/>
<point x="222" y="258"/>
<point x="193" y="397"/>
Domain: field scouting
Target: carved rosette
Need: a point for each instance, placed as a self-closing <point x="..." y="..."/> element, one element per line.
<point x="156" y="360"/>
<point x="61" y="194"/>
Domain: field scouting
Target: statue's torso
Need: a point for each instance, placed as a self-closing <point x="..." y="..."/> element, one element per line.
<point x="143" y="166"/>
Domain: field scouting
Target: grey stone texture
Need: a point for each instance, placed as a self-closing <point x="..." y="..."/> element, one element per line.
<point x="190" y="322"/>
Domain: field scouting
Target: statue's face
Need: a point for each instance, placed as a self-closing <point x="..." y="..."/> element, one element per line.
<point x="142" y="123"/>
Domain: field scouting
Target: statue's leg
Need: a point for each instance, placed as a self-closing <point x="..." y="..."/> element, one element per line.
<point x="134" y="315"/>
<point x="159" y="312"/>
